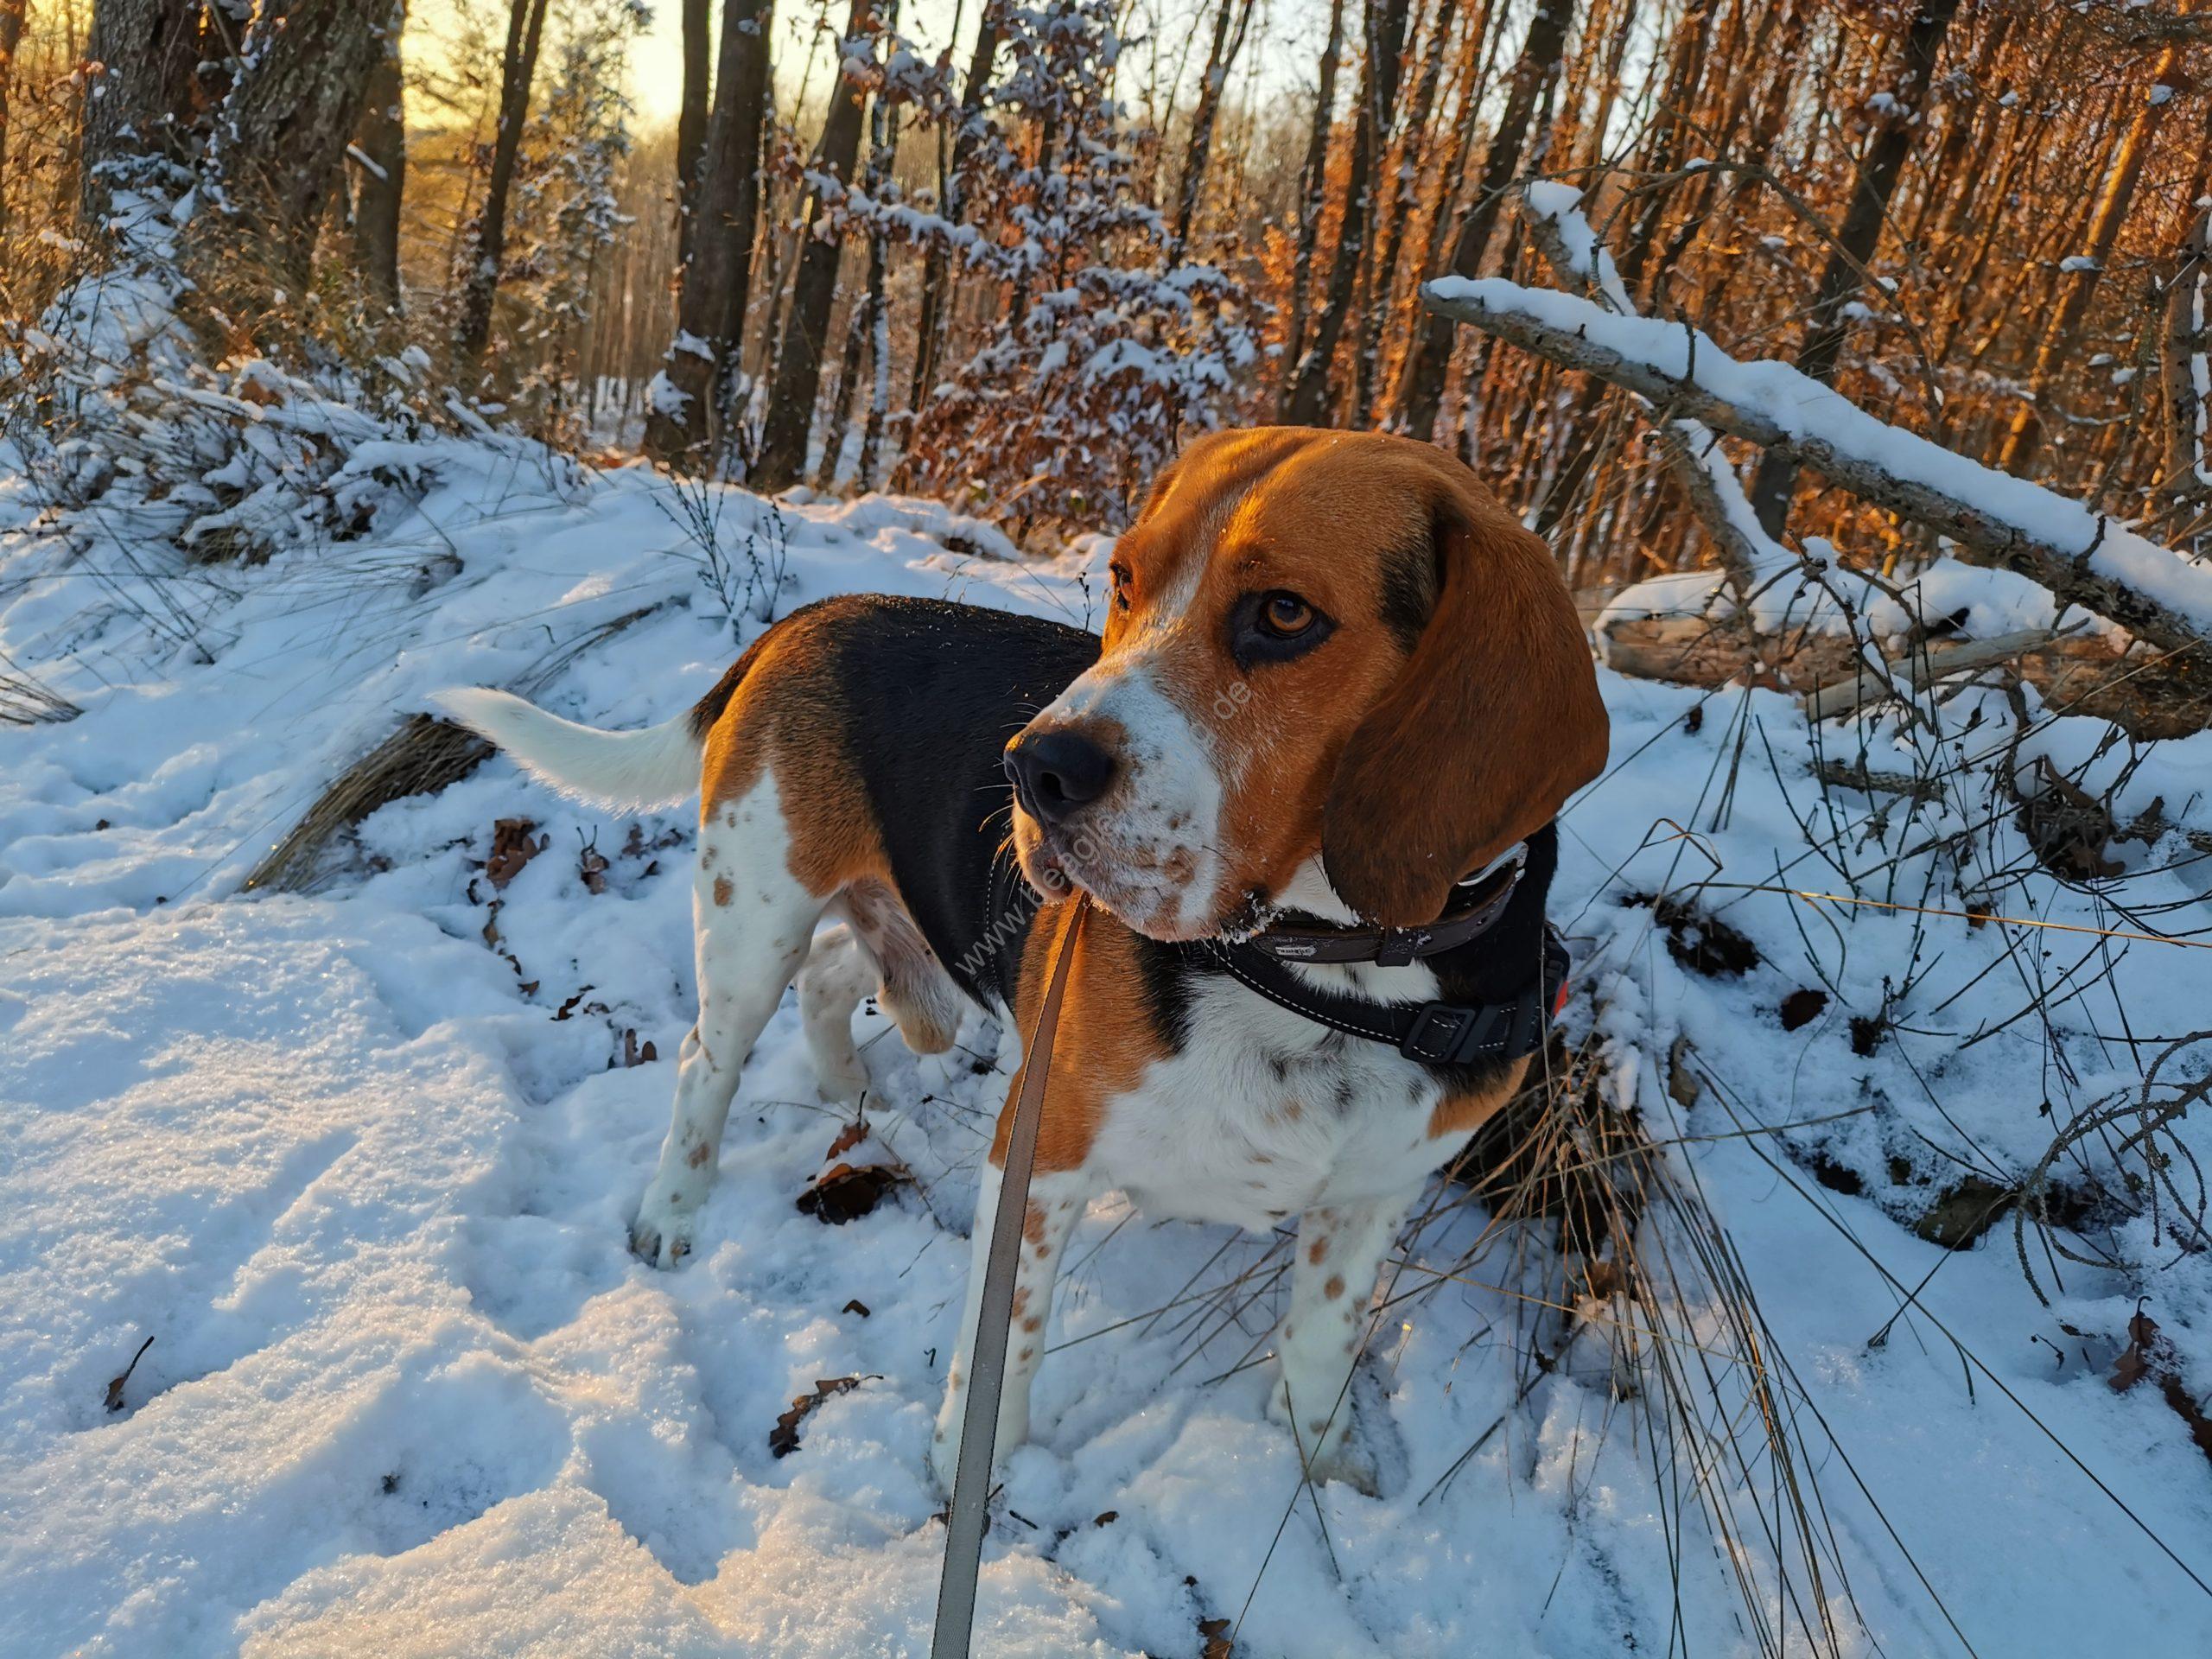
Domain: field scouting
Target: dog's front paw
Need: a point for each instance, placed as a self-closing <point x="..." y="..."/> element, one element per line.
<point x="1326" y="1446"/>
<point x="661" y="1235"/>
<point x="1349" y="1462"/>
<point x="839" y="1084"/>
<point x="944" y="1458"/>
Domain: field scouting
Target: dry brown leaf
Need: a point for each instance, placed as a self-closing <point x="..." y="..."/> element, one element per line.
<point x="513" y="846"/>
<point x="843" y="1193"/>
<point x="2134" y="1362"/>
<point x="592" y="864"/>
<point x="115" y="1384"/>
<point x="783" y="1439"/>
<point x="1803" y="1008"/>
<point x="849" y="1137"/>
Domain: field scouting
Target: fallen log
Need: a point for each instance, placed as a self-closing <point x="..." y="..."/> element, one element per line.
<point x="1855" y="691"/>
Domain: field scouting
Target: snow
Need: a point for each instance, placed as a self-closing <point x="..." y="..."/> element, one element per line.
<point x="346" y="1163"/>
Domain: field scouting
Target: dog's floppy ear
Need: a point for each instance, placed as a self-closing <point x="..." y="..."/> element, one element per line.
<point x="1494" y="722"/>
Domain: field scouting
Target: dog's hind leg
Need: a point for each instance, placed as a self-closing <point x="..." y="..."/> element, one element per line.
<point x="754" y="921"/>
<point x="839" y="972"/>
<point x="916" y="992"/>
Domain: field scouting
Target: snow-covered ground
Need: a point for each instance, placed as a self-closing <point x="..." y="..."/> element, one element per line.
<point x="359" y="1163"/>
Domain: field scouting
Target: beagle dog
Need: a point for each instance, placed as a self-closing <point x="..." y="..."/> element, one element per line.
<point x="1337" y="680"/>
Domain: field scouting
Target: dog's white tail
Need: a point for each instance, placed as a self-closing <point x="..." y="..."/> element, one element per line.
<point x="623" y="771"/>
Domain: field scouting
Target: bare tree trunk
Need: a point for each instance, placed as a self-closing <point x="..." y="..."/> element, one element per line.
<point x="1421" y="387"/>
<point x="691" y="117"/>
<point x="2025" y="436"/>
<point x="1396" y="211"/>
<point x="879" y="366"/>
<point x="814" y="287"/>
<point x="951" y="203"/>
<point x="865" y="326"/>
<point x="303" y="73"/>
<point x="1859" y="235"/>
<point x="2185" y="345"/>
<point x="1674" y="116"/>
<point x="142" y="58"/>
<point x="1312" y="394"/>
<point x="704" y="358"/>
<point x="1220" y="56"/>
<point x="381" y="144"/>
<point x="1312" y="186"/>
<point x="11" y="31"/>
<point x="525" y="29"/>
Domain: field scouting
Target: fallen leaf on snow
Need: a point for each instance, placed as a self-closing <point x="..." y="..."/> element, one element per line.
<point x="783" y="1439"/>
<point x="115" y="1384"/>
<point x="513" y="846"/>
<point x="843" y="1193"/>
<point x="1803" y="1008"/>
<point x="592" y="864"/>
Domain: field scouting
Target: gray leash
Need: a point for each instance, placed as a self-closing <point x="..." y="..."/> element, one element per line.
<point x="979" y="1422"/>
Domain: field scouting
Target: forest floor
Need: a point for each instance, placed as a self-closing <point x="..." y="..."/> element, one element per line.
<point x="349" y="1171"/>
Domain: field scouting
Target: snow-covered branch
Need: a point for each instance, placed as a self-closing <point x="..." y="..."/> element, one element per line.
<point x="1692" y="450"/>
<point x="2081" y="556"/>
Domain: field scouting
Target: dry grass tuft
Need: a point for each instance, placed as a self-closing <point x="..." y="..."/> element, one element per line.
<point x="425" y="754"/>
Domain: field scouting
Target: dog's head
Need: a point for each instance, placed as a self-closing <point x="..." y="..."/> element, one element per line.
<point x="1316" y="642"/>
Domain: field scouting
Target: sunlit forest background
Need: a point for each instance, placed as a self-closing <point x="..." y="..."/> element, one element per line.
<point x="1006" y="253"/>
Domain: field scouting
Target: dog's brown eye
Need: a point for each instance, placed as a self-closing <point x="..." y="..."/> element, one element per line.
<point x="1119" y="575"/>
<point x="1275" y="626"/>
<point x="1285" y="615"/>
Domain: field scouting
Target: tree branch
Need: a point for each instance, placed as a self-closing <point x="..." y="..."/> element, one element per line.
<point x="2083" y="558"/>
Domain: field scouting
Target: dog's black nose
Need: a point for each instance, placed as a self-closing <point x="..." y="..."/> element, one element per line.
<point x="1055" y="774"/>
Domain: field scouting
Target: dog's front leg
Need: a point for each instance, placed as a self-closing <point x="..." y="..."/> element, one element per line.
<point x="1056" y="1199"/>
<point x="1340" y="1249"/>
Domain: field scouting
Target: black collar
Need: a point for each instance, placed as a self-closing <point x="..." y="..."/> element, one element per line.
<point x="1435" y="1034"/>
<point x="1477" y="901"/>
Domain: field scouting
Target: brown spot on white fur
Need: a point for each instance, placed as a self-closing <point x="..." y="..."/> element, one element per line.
<point x="724" y="888"/>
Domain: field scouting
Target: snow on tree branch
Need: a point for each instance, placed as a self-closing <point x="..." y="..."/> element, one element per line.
<point x="1563" y="235"/>
<point x="2084" y="557"/>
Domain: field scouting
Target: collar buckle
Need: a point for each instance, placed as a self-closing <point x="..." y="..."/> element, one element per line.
<point x="1445" y="1033"/>
<point x="1397" y="947"/>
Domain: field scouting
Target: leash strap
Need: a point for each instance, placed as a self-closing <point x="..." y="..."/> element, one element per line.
<point x="979" y="1422"/>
